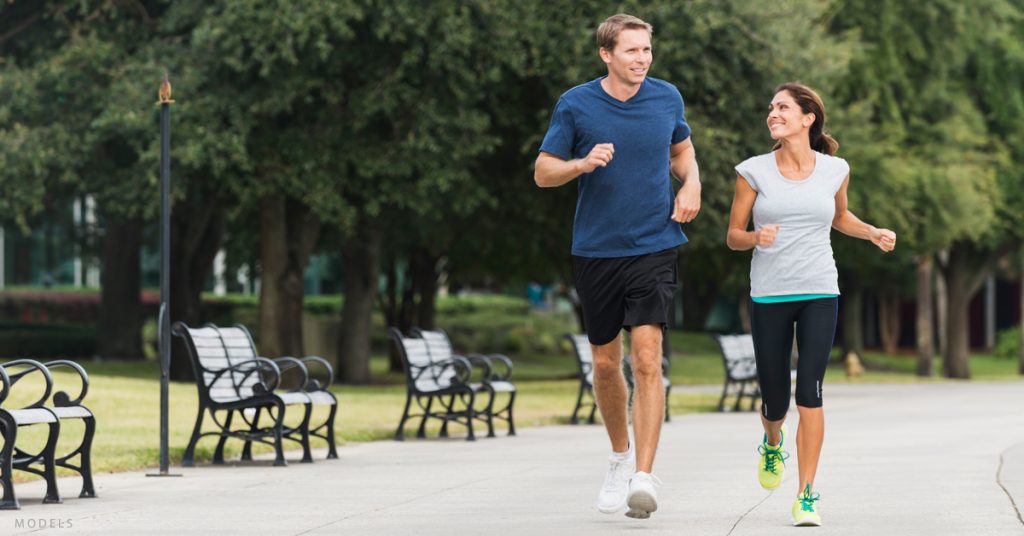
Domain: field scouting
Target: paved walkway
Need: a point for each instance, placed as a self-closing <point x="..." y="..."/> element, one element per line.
<point x="898" y="459"/>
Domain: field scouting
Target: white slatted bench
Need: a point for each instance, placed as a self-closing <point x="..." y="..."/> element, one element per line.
<point x="64" y="408"/>
<point x="428" y="379"/>
<point x="740" y="370"/>
<point x="496" y="379"/>
<point x="240" y="345"/>
<point x="585" y="365"/>
<point x="227" y="385"/>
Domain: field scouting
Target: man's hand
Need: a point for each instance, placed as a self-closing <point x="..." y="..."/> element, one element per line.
<point x="600" y="155"/>
<point x="687" y="203"/>
<point x="765" y="236"/>
<point x="884" y="239"/>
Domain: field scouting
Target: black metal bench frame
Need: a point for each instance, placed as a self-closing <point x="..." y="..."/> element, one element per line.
<point x="495" y="380"/>
<point x="259" y="375"/>
<point x="446" y="381"/>
<point x="737" y="351"/>
<point x="585" y="366"/>
<point x="627" y="371"/>
<point x="64" y="408"/>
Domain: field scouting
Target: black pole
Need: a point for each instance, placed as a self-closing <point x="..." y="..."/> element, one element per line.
<point x="164" y="320"/>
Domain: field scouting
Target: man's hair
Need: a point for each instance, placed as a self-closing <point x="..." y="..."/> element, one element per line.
<point x="608" y="31"/>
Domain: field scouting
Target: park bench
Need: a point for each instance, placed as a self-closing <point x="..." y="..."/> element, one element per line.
<point x="448" y="381"/>
<point x="740" y="370"/>
<point x="495" y="379"/>
<point x="228" y="383"/>
<point x="37" y="413"/>
<point x="585" y="366"/>
<point x="239" y="344"/>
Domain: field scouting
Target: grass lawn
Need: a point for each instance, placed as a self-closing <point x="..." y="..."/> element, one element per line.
<point x="125" y="399"/>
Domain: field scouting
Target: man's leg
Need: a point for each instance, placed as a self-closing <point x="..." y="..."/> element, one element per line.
<point x="649" y="398"/>
<point x="610" y="392"/>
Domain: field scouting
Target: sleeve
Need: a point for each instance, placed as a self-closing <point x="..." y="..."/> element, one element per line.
<point x="745" y="169"/>
<point x="561" y="132"/>
<point x="681" y="130"/>
<point x="842" y="172"/>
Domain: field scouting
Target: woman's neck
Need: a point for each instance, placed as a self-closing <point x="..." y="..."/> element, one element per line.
<point x="796" y="156"/>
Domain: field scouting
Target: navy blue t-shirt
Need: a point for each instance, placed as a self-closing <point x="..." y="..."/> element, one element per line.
<point x="624" y="208"/>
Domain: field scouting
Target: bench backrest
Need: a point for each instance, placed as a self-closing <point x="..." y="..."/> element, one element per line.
<point x="421" y="372"/>
<point x="440" y="348"/>
<point x="584" y="356"/>
<point x="211" y="352"/>
<point x="738" y="356"/>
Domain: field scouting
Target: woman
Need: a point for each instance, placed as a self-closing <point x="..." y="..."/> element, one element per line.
<point x="796" y="193"/>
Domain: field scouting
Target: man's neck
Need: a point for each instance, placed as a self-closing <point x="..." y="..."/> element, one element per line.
<point x="619" y="90"/>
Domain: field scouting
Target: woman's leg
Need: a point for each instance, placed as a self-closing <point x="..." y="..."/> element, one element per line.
<point x="815" y="332"/>
<point x="771" y="325"/>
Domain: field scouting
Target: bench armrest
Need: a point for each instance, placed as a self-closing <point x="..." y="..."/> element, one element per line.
<point x="505" y="374"/>
<point x="315" y="384"/>
<point x="287" y="363"/>
<point x="62" y="398"/>
<point x="33" y="366"/>
<point x="250" y="366"/>
<point x="463" y="368"/>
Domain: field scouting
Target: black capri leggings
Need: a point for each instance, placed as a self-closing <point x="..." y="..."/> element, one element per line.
<point x="771" y="325"/>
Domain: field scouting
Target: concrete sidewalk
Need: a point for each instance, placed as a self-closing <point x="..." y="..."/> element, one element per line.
<point x="898" y="459"/>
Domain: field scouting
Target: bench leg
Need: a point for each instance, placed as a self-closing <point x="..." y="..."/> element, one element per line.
<point x="50" y="466"/>
<point x="400" y="432"/>
<point x="254" y="427"/>
<point x="307" y="454"/>
<point x="279" y="460"/>
<point x="490" y="412"/>
<point x="449" y="410"/>
<point x="421" y="432"/>
<point x="579" y="404"/>
<point x="332" y="449"/>
<point x="721" y="400"/>
<point x="511" y="422"/>
<point x="218" y="455"/>
<point x="188" y="459"/>
<point x="10" y="434"/>
<point x="667" y="392"/>
<point x="469" y="415"/>
<point x="88" y="491"/>
<point x="739" y="397"/>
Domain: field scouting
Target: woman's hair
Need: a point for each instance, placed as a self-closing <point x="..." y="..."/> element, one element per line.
<point x="810" y="103"/>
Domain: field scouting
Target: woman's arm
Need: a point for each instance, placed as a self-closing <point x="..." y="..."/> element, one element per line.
<point x="739" y="238"/>
<point x="849" y="224"/>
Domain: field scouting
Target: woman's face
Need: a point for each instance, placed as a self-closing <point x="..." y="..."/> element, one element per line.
<point x="785" y="118"/>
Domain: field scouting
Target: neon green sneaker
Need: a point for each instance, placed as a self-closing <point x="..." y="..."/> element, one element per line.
<point x="805" y="512"/>
<point x="773" y="461"/>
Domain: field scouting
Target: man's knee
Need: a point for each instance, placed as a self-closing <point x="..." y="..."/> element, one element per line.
<point x="647" y="367"/>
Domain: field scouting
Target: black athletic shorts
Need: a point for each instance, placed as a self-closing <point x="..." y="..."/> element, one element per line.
<point x="622" y="292"/>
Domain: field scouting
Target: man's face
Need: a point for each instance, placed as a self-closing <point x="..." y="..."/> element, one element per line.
<point x="631" y="58"/>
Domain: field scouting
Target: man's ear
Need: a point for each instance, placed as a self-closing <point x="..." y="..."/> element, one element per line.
<point x="606" y="55"/>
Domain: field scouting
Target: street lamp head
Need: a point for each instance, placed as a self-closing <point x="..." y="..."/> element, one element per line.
<point x="165" y="91"/>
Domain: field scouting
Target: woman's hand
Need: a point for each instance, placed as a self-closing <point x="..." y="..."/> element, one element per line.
<point x="765" y="236"/>
<point x="884" y="239"/>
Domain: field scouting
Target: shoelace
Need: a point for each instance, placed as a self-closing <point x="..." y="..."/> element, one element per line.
<point x="771" y="456"/>
<point x="807" y="499"/>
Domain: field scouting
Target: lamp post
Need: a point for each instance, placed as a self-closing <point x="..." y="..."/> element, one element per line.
<point x="164" y="320"/>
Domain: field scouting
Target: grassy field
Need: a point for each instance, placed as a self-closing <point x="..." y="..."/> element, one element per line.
<point x="125" y="399"/>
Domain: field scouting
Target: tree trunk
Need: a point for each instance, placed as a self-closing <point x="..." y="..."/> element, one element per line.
<point x="389" y="306"/>
<point x="942" y="305"/>
<point x="1020" y="323"/>
<point x="288" y="234"/>
<point x="925" y="333"/>
<point x="889" y="323"/>
<point x="120" y="322"/>
<point x="197" y="227"/>
<point x="853" y="323"/>
<point x="956" y="360"/>
<point x="426" y="282"/>
<point x="361" y="257"/>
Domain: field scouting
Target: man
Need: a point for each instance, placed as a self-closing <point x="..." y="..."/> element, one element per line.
<point x="622" y="134"/>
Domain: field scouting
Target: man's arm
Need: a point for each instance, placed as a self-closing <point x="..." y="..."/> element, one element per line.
<point x="683" y="164"/>
<point x="550" y="170"/>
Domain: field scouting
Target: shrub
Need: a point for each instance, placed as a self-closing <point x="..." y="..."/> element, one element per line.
<point x="1008" y="344"/>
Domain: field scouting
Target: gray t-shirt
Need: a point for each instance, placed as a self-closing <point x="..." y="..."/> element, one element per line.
<point x="800" y="261"/>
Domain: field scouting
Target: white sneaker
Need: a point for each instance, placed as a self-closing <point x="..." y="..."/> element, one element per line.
<point x="616" y="483"/>
<point x="643" y="498"/>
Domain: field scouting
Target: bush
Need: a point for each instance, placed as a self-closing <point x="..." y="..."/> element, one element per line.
<point x="1008" y="344"/>
<point x="47" y="340"/>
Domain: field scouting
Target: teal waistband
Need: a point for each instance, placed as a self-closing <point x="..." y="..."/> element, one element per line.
<point x="792" y="297"/>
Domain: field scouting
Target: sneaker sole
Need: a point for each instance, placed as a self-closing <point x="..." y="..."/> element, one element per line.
<point x="777" y="484"/>
<point x="806" y="523"/>
<point x="641" y="505"/>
